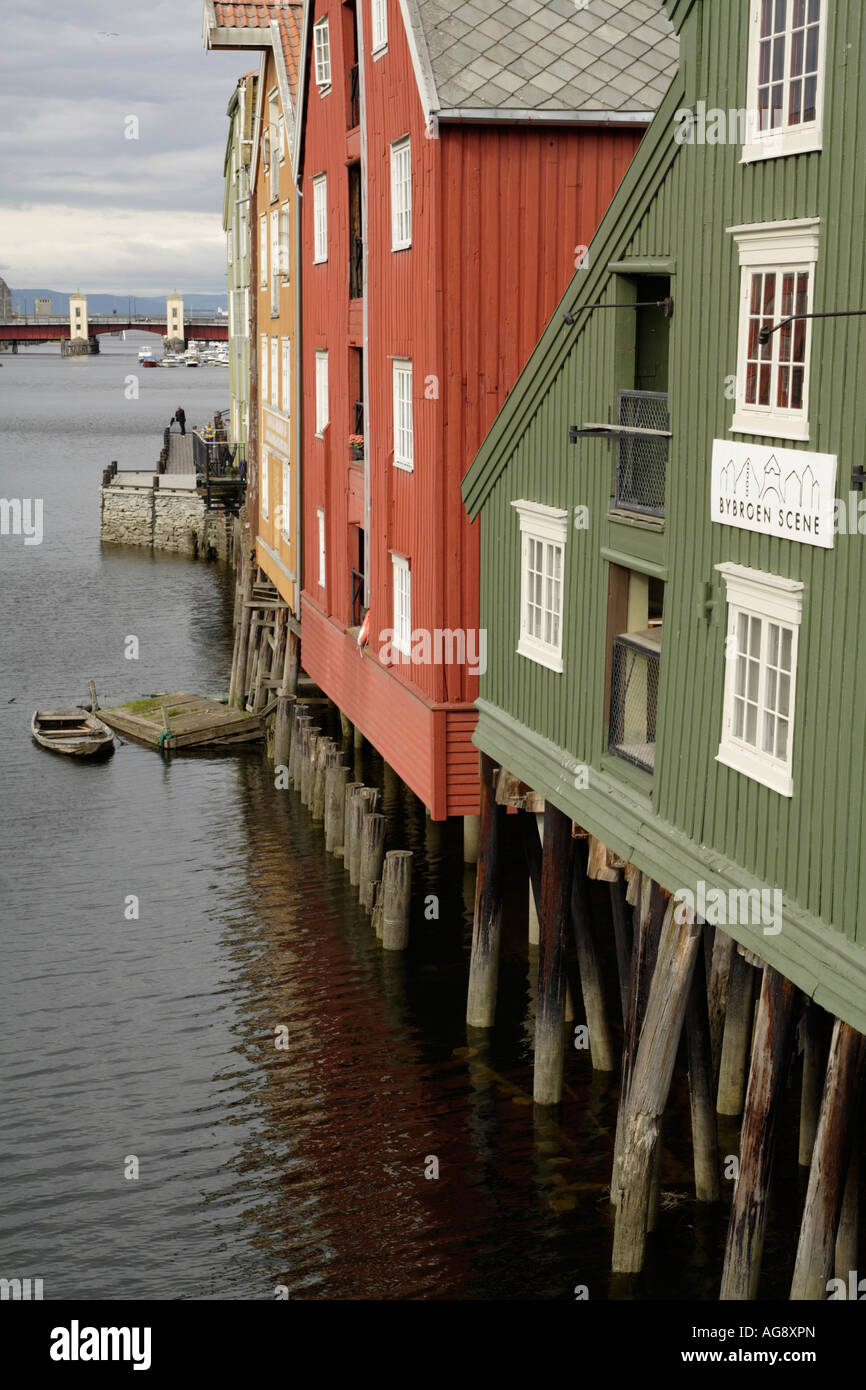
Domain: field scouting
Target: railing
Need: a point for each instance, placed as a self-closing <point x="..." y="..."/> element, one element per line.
<point x="357" y="598"/>
<point x="642" y="452"/>
<point x="359" y="418"/>
<point x="634" y="686"/>
<point x="356" y="268"/>
<point x="354" y="97"/>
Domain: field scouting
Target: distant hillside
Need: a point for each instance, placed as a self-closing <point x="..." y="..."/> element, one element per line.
<point x="107" y="303"/>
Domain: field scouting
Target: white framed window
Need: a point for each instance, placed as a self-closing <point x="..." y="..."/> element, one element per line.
<point x="402" y="584"/>
<point x="777" y="280"/>
<point x="380" y="24"/>
<point x="404" y="437"/>
<point x="543" y="532"/>
<point x="401" y="194"/>
<point x="286" y="353"/>
<point x="322" y="50"/>
<point x="275" y="262"/>
<point x="263" y="251"/>
<point x="266" y="465"/>
<point x="764" y="612"/>
<point x="320" y="523"/>
<point x="322" y="409"/>
<point x="787" y="42"/>
<point x="275" y="373"/>
<point x="230" y="246"/>
<point x="286" y="510"/>
<point x="277" y="143"/>
<point x="285" y="264"/>
<point x="320" y="218"/>
<point x="263" y="368"/>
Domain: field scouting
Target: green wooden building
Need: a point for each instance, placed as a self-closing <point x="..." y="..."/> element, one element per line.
<point x="673" y="559"/>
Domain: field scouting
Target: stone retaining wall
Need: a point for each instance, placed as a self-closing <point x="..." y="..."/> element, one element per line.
<point x="165" y="519"/>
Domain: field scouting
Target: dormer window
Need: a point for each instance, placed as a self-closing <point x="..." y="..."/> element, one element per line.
<point x="786" y="77"/>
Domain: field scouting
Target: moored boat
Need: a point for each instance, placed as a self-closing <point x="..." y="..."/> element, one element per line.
<point x="73" y="732"/>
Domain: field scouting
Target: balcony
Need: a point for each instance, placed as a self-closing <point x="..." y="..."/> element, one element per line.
<point x="634" y="696"/>
<point x="354" y="97"/>
<point x="642" y="441"/>
<point x="356" y="267"/>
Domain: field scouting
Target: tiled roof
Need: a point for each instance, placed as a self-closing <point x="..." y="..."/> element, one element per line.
<point x="548" y="55"/>
<point x="253" y="16"/>
<point x="291" y="18"/>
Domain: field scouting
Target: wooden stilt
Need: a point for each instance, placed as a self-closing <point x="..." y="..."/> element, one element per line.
<point x="678" y="950"/>
<point x="705" y="1145"/>
<point x="847" y="1256"/>
<point x="768" y="1076"/>
<point x="486" y="930"/>
<point x="345" y="727"/>
<point x="378" y="910"/>
<point x="351" y="788"/>
<point x="281" y="631"/>
<point x="622" y="933"/>
<point x="292" y="667"/>
<point x="335" y="801"/>
<point x="298" y="712"/>
<point x="301" y="738"/>
<point x="282" y="732"/>
<point x="372" y="857"/>
<point x="717" y="993"/>
<point x="311" y="740"/>
<point x="831" y="1158"/>
<point x="601" y="1044"/>
<point x="237" y="688"/>
<point x="816" y="1042"/>
<point x="556" y="878"/>
<point x="737" y="1038"/>
<point x="317" y="799"/>
<point x="362" y="803"/>
<point x="396" y="899"/>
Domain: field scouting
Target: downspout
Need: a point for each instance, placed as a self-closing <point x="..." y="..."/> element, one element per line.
<point x="362" y="99"/>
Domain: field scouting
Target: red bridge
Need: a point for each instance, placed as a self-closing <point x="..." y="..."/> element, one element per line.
<point x="43" y="328"/>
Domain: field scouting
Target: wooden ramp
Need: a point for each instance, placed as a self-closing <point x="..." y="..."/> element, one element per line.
<point x="193" y="722"/>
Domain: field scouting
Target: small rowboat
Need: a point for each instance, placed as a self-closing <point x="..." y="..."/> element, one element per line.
<point x="74" y="732"/>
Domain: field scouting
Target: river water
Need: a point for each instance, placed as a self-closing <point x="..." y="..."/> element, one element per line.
<point x="147" y="1043"/>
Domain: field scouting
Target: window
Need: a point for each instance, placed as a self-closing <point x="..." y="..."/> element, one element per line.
<point x="285" y="253"/>
<point x="542" y="533"/>
<point x="380" y="24"/>
<point x="764" y="612"/>
<point x="266" y="463"/>
<point x="322" y="414"/>
<point x="777" y="263"/>
<point x="286" y="511"/>
<point x="401" y="195"/>
<point x="402" y="578"/>
<point x="275" y="373"/>
<point x="786" y="78"/>
<point x="230" y="242"/>
<point x="635" y="624"/>
<point x="322" y="47"/>
<point x="320" y="521"/>
<point x="276" y="142"/>
<point x="263" y="251"/>
<point x="320" y="218"/>
<point x="286" y="347"/>
<point x="275" y="262"/>
<point x="263" y="368"/>
<point x="404" y="443"/>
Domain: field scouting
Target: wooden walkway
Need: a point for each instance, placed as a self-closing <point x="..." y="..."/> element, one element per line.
<point x="183" y="721"/>
<point x="180" y="456"/>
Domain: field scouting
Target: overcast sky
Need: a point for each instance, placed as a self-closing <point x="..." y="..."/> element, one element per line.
<point x="81" y="207"/>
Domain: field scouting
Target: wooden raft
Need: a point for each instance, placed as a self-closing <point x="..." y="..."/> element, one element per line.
<point x="180" y="720"/>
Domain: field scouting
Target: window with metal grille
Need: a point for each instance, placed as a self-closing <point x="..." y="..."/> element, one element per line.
<point x="401" y="195"/>
<point x="322" y="410"/>
<point x="320" y="520"/>
<point x="380" y="24"/>
<point x="320" y="218"/>
<point x="402" y="579"/>
<point x="634" y="688"/>
<point x="777" y="271"/>
<point x="764" y="613"/>
<point x="404" y="443"/>
<point x="286" y="510"/>
<point x="786" y="77"/>
<point x="542" y="537"/>
<point x="322" y="49"/>
<point x="642" y="452"/>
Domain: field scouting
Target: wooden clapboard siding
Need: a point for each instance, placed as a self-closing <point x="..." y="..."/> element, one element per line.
<point x="696" y="817"/>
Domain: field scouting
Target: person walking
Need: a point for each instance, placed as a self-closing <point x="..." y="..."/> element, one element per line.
<point x="180" y="416"/>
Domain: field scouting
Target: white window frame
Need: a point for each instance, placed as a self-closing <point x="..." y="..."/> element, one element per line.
<point x="275" y="263"/>
<point x="322" y="403"/>
<point x="263" y="250"/>
<point x="779" y="141"/>
<point x="285" y="251"/>
<point x="771" y="599"/>
<point x="320" y="219"/>
<point x="286" y="374"/>
<point x="404" y="424"/>
<point x="276" y="139"/>
<point x="322" y="55"/>
<point x="379" y="25"/>
<point x="275" y="372"/>
<point x="401" y="194"/>
<point x="401" y="580"/>
<point x="780" y="247"/>
<point x="548" y="527"/>
<point x="264" y="355"/>
<point x="286" y="511"/>
<point x="264" y="498"/>
<point x="320" y="524"/>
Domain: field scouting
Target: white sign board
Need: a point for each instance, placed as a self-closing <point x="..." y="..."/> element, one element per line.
<point x="777" y="492"/>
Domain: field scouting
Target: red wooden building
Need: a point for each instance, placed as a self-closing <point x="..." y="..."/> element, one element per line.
<point x="452" y="168"/>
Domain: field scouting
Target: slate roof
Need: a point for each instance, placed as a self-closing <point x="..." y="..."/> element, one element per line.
<point x="547" y="55"/>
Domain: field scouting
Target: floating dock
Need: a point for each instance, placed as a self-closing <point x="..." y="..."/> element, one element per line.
<point x="182" y="721"/>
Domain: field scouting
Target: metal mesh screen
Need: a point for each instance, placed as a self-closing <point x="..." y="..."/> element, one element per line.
<point x="634" y="689"/>
<point x="641" y="460"/>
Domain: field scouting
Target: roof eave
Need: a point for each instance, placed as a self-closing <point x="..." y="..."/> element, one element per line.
<point x="522" y="116"/>
<point x="240" y="38"/>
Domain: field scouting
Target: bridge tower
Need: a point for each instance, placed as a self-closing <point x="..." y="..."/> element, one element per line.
<point x="175" y="334"/>
<point x="79" y="343"/>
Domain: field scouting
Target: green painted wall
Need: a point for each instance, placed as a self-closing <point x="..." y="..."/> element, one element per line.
<point x="695" y="817"/>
